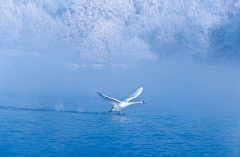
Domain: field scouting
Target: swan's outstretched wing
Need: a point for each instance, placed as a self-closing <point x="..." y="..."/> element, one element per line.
<point x="109" y="99"/>
<point x="135" y="94"/>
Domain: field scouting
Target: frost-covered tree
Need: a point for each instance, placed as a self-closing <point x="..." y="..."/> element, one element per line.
<point x="225" y="39"/>
<point x="106" y="31"/>
<point x="181" y="26"/>
<point x="28" y="26"/>
<point x="10" y="23"/>
<point x="98" y="29"/>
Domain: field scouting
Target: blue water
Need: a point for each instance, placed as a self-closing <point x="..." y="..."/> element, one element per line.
<point x="79" y="127"/>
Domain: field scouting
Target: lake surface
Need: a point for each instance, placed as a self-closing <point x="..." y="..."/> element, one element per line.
<point x="41" y="125"/>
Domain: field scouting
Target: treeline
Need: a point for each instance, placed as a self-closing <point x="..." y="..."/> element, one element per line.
<point x="132" y="30"/>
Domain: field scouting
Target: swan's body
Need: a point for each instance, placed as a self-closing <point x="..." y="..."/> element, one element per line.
<point x="119" y="105"/>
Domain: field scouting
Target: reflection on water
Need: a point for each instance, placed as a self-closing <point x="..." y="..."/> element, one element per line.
<point x="119" y="118"/>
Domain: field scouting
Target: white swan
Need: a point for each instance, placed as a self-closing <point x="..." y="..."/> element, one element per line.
<point x="119" y="105"/>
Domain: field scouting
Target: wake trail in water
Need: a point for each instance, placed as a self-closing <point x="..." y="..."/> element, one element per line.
<point x="50" y="110"/>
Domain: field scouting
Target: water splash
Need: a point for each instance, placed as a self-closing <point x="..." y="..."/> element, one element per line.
<point x="79" y="110"/>
<point x="59" y="108"/>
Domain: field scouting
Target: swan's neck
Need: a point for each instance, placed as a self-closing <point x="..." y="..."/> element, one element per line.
<point x="137" y="102"/>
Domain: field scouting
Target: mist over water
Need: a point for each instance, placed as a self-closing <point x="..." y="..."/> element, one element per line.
<point x="185" y="54"/>
<point x="185" y="80"/>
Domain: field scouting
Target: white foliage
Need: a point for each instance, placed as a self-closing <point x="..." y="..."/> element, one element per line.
<point x="99" y="29"/>
<point x="181" y="23"/>
<point x="137" y="50"/>
<point x="27" y="25"/>
<point x="105" y="31"/>
<point x="9" y="22"/>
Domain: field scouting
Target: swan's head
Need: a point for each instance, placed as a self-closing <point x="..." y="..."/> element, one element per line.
<point x="143" y="102"/>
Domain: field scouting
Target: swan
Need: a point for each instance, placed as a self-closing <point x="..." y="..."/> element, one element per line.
<point x="119" y="105"/>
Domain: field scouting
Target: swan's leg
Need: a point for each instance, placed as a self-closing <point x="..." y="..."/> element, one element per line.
<point x="111" y="110"/>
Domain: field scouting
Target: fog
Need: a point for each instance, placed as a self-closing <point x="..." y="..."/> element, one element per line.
<point x="184" y="51"/>
<point x="185" y="81"/>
